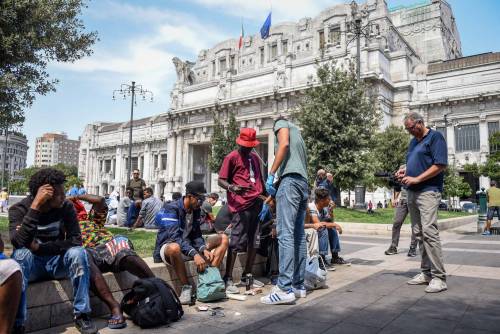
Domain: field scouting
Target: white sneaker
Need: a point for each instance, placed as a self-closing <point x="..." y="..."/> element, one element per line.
<point x="186" y="292"/>
<point x="278" y="296"/>
<point x="300" y="292"/>
<point x="436" y="285"/>
<point x="231" y="288"/>
<point x="419" y="279"/>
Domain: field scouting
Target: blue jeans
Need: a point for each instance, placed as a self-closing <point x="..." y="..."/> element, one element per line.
<point x="73" y="265"/>
<point x="291" y="204"/>
<point x="328" y="237"/>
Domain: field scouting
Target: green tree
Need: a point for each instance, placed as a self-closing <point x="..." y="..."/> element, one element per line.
<point x="338" y="120"/>
<point x="222" y="141"/>
<point x="491" y="168"/>
<point x="20" y="184"/>
<point x="33" y="34"/>
<point x="454" y="184"/>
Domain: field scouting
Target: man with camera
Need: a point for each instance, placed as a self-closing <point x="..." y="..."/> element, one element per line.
<point x="423" y="176"/>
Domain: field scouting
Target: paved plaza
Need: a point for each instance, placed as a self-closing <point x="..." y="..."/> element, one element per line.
<point x="370" y="296"/>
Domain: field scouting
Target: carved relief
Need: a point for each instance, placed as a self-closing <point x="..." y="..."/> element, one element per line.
<point x="222" y="92"/>
<point x="183" y="69"/>
<point x="304" y="23"/>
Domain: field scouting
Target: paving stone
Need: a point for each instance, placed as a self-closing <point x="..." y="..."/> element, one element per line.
<point x="415" y="324"/>
<point x="373" y="317"/>
<point x="297" y="324"/>
<point x="430" y="307"/>
<point x="350" y="328"/>
<point x="479" y="320"/>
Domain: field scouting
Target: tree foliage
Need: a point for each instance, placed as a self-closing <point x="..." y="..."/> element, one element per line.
<point x="33" y="34"/>
<point x="19" y="184"/>
<point x="338" y="120"/>
<point x="455" y="185"/>
<point x="222" y="141"/>
<point x="491" y="168"/>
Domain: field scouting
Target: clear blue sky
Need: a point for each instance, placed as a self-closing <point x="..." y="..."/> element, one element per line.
<point x="139" y="38"/>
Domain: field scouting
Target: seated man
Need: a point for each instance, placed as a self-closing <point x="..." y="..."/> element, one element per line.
<point x="321" y="220"/>
<point x="207" y="217"/>
<point x="149" y="208"/>
<point x="106" y="253"/>
<point x="123" y="207"/>
<point x="179" y="237"/>
<point x="47" y="243"/>
<point x="11" y="281"/>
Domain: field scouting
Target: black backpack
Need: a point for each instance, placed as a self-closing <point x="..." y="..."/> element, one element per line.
<point x="152" y="302"/>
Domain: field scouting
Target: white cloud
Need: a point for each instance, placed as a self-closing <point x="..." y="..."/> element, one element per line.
<point x="283" y="10"/>
<point x="146" y="56"/>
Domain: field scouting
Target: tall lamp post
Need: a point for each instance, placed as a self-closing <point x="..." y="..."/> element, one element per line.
<point x="4" y="156"/>
<point x="131" y="90"/>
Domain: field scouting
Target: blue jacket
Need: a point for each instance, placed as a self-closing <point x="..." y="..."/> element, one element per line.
<point x="171" y="222"/>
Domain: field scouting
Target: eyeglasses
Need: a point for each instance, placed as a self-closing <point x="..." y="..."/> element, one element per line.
<point x="411" y="128"/>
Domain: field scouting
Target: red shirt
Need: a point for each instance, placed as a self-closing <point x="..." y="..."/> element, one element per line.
<point x="236" y="170"/>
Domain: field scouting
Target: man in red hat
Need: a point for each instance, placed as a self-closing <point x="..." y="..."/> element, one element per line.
<point x="241" y="176"/>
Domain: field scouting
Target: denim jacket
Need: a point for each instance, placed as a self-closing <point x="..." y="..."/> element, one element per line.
<point x="171" y="222"/>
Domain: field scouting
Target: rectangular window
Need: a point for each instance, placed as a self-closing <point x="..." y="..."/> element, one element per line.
<point x="163" y="162"/>
<point x="107" y="166"/>
<point x="321" y="39"/>
<point x="334" y="35"/>
<point x="155" y="161"/>
<point x="141" y="166"/>
<point x="442" y="129"/>
<point x="492" y="129"/>
<point x="262" y="56"/>
<point x="222" y="65"/>
<point x="213" y="68"/>
<point x="284" y="47"/>
<point x="467" y="137"/>
<point x="274" y="51"/>
<point x="231" y="61"/>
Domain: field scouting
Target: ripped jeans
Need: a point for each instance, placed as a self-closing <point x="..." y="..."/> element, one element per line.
<point x="73" y="265"/>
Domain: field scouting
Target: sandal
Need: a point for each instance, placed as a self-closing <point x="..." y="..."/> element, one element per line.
<point x="122" y="323"/>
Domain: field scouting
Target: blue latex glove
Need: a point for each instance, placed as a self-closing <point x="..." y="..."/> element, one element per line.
<point x="3" y="257"/>
<point x="264" y="213"/>
<point x="269" y="185"/>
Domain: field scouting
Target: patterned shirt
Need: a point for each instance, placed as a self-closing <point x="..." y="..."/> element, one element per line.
<point x="92" y="226"/>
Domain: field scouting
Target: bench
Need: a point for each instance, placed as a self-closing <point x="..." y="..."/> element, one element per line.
<point x="50" y="302"/>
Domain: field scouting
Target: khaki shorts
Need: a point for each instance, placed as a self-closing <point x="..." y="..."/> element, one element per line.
<point x="7" y="268"/>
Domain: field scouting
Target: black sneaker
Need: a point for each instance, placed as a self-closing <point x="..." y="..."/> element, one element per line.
<point x="84" y="324"/>
<point x="18" y="330"/>
<point x="339" y="260"/>
<point x="412" y="252"/>
<point x="391" y="251"/>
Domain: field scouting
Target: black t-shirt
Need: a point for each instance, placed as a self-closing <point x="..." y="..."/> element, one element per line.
<point x="223" y="219"/>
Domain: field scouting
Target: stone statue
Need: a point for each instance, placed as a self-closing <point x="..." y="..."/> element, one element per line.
<point x="184" y="72"/>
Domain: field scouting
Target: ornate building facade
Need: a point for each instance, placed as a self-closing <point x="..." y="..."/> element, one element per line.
<point x="411" y="56"/>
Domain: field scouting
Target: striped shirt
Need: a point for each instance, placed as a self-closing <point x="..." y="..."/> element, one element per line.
<point x="149" y="209"/>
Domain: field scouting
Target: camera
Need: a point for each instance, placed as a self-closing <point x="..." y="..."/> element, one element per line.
<point x="390" y="178"/>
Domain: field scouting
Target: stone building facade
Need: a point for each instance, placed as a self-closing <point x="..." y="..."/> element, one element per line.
<point x="411" y="55"/>
<point x="14" y="155"/>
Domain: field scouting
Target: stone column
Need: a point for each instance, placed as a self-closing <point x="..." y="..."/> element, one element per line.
<point x="179" y="163"/>
<point x="270" y="152"/>
<point x="450" y="140"/>
<point x="148" y="171"/>
<point x="484" y="145"/>
<point x="171" y="157"/>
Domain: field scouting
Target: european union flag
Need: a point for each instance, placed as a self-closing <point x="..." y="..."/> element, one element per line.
<point x="264" y="31"/>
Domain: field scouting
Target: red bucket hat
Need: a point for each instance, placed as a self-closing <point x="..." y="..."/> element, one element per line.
<point x="247" y="138"/>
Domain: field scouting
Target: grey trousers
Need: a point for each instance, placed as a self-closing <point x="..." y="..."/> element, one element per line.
<point x="423" y="207"/>
<point x="399" y="218"/>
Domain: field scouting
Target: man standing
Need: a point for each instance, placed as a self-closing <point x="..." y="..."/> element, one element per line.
<point x="179" y="238"/>
<point x="240" y="175"/>
<point x="45" y="233"/>
<point x="399" y="218"/>
<point x="150" y="207"/>
<point x="136" y="183"/>
<point x="426" y="161"/>
<point x="331" y="187"/>
<point x="4" y="199"/>
<point x="290" y="165"/>
<point x="493" y="195"/>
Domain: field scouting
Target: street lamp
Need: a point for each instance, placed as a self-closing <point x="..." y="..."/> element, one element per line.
<point x="4" y="156"/>
<point x="131" y="90"/>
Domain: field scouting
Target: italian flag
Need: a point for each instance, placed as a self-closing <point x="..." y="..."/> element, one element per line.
<point x="242" y="34"/>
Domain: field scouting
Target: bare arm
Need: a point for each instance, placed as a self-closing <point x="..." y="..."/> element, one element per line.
<point x="283" y="145"/>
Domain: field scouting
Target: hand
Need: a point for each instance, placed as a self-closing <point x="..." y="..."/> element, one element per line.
<point x="317" y="226"/>
<point x="338" y="228"/>
<point x="410" y="180"/>
<point x="400" y="173"/>
<point x="208" y="255"/>
<point x="236" y="189"/>
<point x="200" y="263"/>
<point x="43" y="194"/>
<point x="274" y="234"/>
<point x="34" y="246"/>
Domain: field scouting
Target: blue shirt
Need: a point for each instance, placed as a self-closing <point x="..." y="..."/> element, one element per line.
<point x="431" y="150"/>
<point x="73" y="191"/>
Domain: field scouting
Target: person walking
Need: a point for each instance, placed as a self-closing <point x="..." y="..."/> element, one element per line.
<point x="493" y="195"/>
<point x="423" y="176"/>
<point x="290" y="165"/>
<point x="4" y="199"/>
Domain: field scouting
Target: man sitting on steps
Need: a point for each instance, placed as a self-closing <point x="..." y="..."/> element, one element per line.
<point x="179" y="237"/>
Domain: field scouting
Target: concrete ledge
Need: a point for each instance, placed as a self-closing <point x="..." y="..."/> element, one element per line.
<point x="386" y="229"/>
<point x="50" y="302"/>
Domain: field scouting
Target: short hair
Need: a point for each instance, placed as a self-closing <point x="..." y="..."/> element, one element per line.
<point x="51" y="176"/>
<point x="136" y="170"/>
<point x="329" y="174"/>
<point x="415" y="116"/>
<point x="493" y="183"/>
<point x="321" y="171"/>
<point x="130" y="189"/>
<point x="321" y="194"/>
<point x="215" y="196"/>
<point x="176" y="195"/>
<point x="149" y="190"/>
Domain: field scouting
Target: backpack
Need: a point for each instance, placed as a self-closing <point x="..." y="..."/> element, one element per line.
<point x="315" y="278"/>
<point x="210" y="286"/>
<point x="152" y="302"/>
